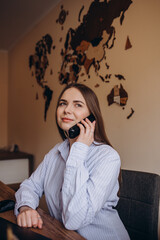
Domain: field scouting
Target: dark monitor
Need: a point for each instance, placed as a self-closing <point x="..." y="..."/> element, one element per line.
<point x="20" y="233"/>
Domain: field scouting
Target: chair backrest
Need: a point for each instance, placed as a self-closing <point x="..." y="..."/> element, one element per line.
<point x="138" y="205"/>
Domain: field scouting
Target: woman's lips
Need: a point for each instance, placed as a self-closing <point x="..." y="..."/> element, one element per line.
<point x="67" y="120"/>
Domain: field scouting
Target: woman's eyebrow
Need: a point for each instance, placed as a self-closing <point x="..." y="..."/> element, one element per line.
<point x="75" y="101"/>
<point x="63" y="100"/>
<point x="78" y="101"/>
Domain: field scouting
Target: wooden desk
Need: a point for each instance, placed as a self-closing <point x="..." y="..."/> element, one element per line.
<point x="52" y="228"/>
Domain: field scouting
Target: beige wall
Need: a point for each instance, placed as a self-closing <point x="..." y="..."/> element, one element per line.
<point x="3" y="99"/>
<point x="137" y="139"/>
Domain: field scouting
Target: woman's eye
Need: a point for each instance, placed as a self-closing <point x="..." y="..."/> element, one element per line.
<point x="62" y="103"/>
<point x="78" y="105"/>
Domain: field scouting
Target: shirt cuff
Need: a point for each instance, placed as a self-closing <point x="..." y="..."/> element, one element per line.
<point x="17" y="206"/>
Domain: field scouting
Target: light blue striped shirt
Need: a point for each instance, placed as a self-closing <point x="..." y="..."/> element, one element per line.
<point x="80" y="188"/>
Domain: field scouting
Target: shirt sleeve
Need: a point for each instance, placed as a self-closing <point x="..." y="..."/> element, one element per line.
<point x="84" y="193"/>
<point x="31" y="189"/>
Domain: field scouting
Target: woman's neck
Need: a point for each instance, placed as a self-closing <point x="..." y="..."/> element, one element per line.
<point x="71" y="141"/>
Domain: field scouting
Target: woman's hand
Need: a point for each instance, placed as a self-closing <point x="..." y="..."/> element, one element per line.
<point x="29" y="217"/>
<point x="86" y="135"/>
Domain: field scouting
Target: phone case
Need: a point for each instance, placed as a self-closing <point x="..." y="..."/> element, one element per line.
<point x="75" y="130"/>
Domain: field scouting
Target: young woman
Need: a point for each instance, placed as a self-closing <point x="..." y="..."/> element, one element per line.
<point x="79" y="176"/>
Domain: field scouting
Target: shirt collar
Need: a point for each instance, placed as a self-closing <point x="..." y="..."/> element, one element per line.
<point x="64" y="149"/>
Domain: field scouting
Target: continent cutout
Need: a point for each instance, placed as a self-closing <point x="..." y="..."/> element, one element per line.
<point x="130" y="115"/>
<point x="120" y="77"/>
<point x="80" y="12"/>
<point x="39" y="62"/>
<point x="118" y="95"/>
<point x="85" y="46"/>
<point x="128" y="44"/>
<point x="62" y="17"/>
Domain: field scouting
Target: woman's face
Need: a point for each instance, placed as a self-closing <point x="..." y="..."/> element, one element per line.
<point x="72" y="108"/>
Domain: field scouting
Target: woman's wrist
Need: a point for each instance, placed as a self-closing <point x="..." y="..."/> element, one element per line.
<point x="24" y="208"/>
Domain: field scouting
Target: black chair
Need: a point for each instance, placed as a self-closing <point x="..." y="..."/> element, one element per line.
<point x="138" y="205"/>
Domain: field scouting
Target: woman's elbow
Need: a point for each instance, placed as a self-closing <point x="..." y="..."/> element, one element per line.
<point x="71" y="223"/>
<point x="70" y="226"/>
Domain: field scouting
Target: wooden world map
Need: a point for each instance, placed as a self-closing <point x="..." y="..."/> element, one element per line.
<point x="84" y="47"/>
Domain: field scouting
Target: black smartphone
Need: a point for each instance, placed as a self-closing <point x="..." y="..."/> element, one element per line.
<point x="75" y="130"/>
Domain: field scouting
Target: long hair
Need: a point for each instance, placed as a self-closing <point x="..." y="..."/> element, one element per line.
<point x="94" y="108"/>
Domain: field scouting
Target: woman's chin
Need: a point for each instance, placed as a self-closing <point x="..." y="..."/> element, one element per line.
<point x="66" y="127"/>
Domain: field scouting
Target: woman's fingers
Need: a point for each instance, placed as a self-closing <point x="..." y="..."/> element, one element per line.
<point x="89" y="126"/>
<point x="21" y="220"/>
<point x="40" y="222"/>
<point x="86" y="132"/>
<point x="29" y="218"/>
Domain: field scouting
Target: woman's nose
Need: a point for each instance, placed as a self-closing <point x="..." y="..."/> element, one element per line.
<point x="68" y="108"/>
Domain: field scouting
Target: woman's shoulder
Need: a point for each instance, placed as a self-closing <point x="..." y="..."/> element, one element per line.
<point x="104" y="149"/>
<point x="53" y="150"/>
<point x="59" y="147"/>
